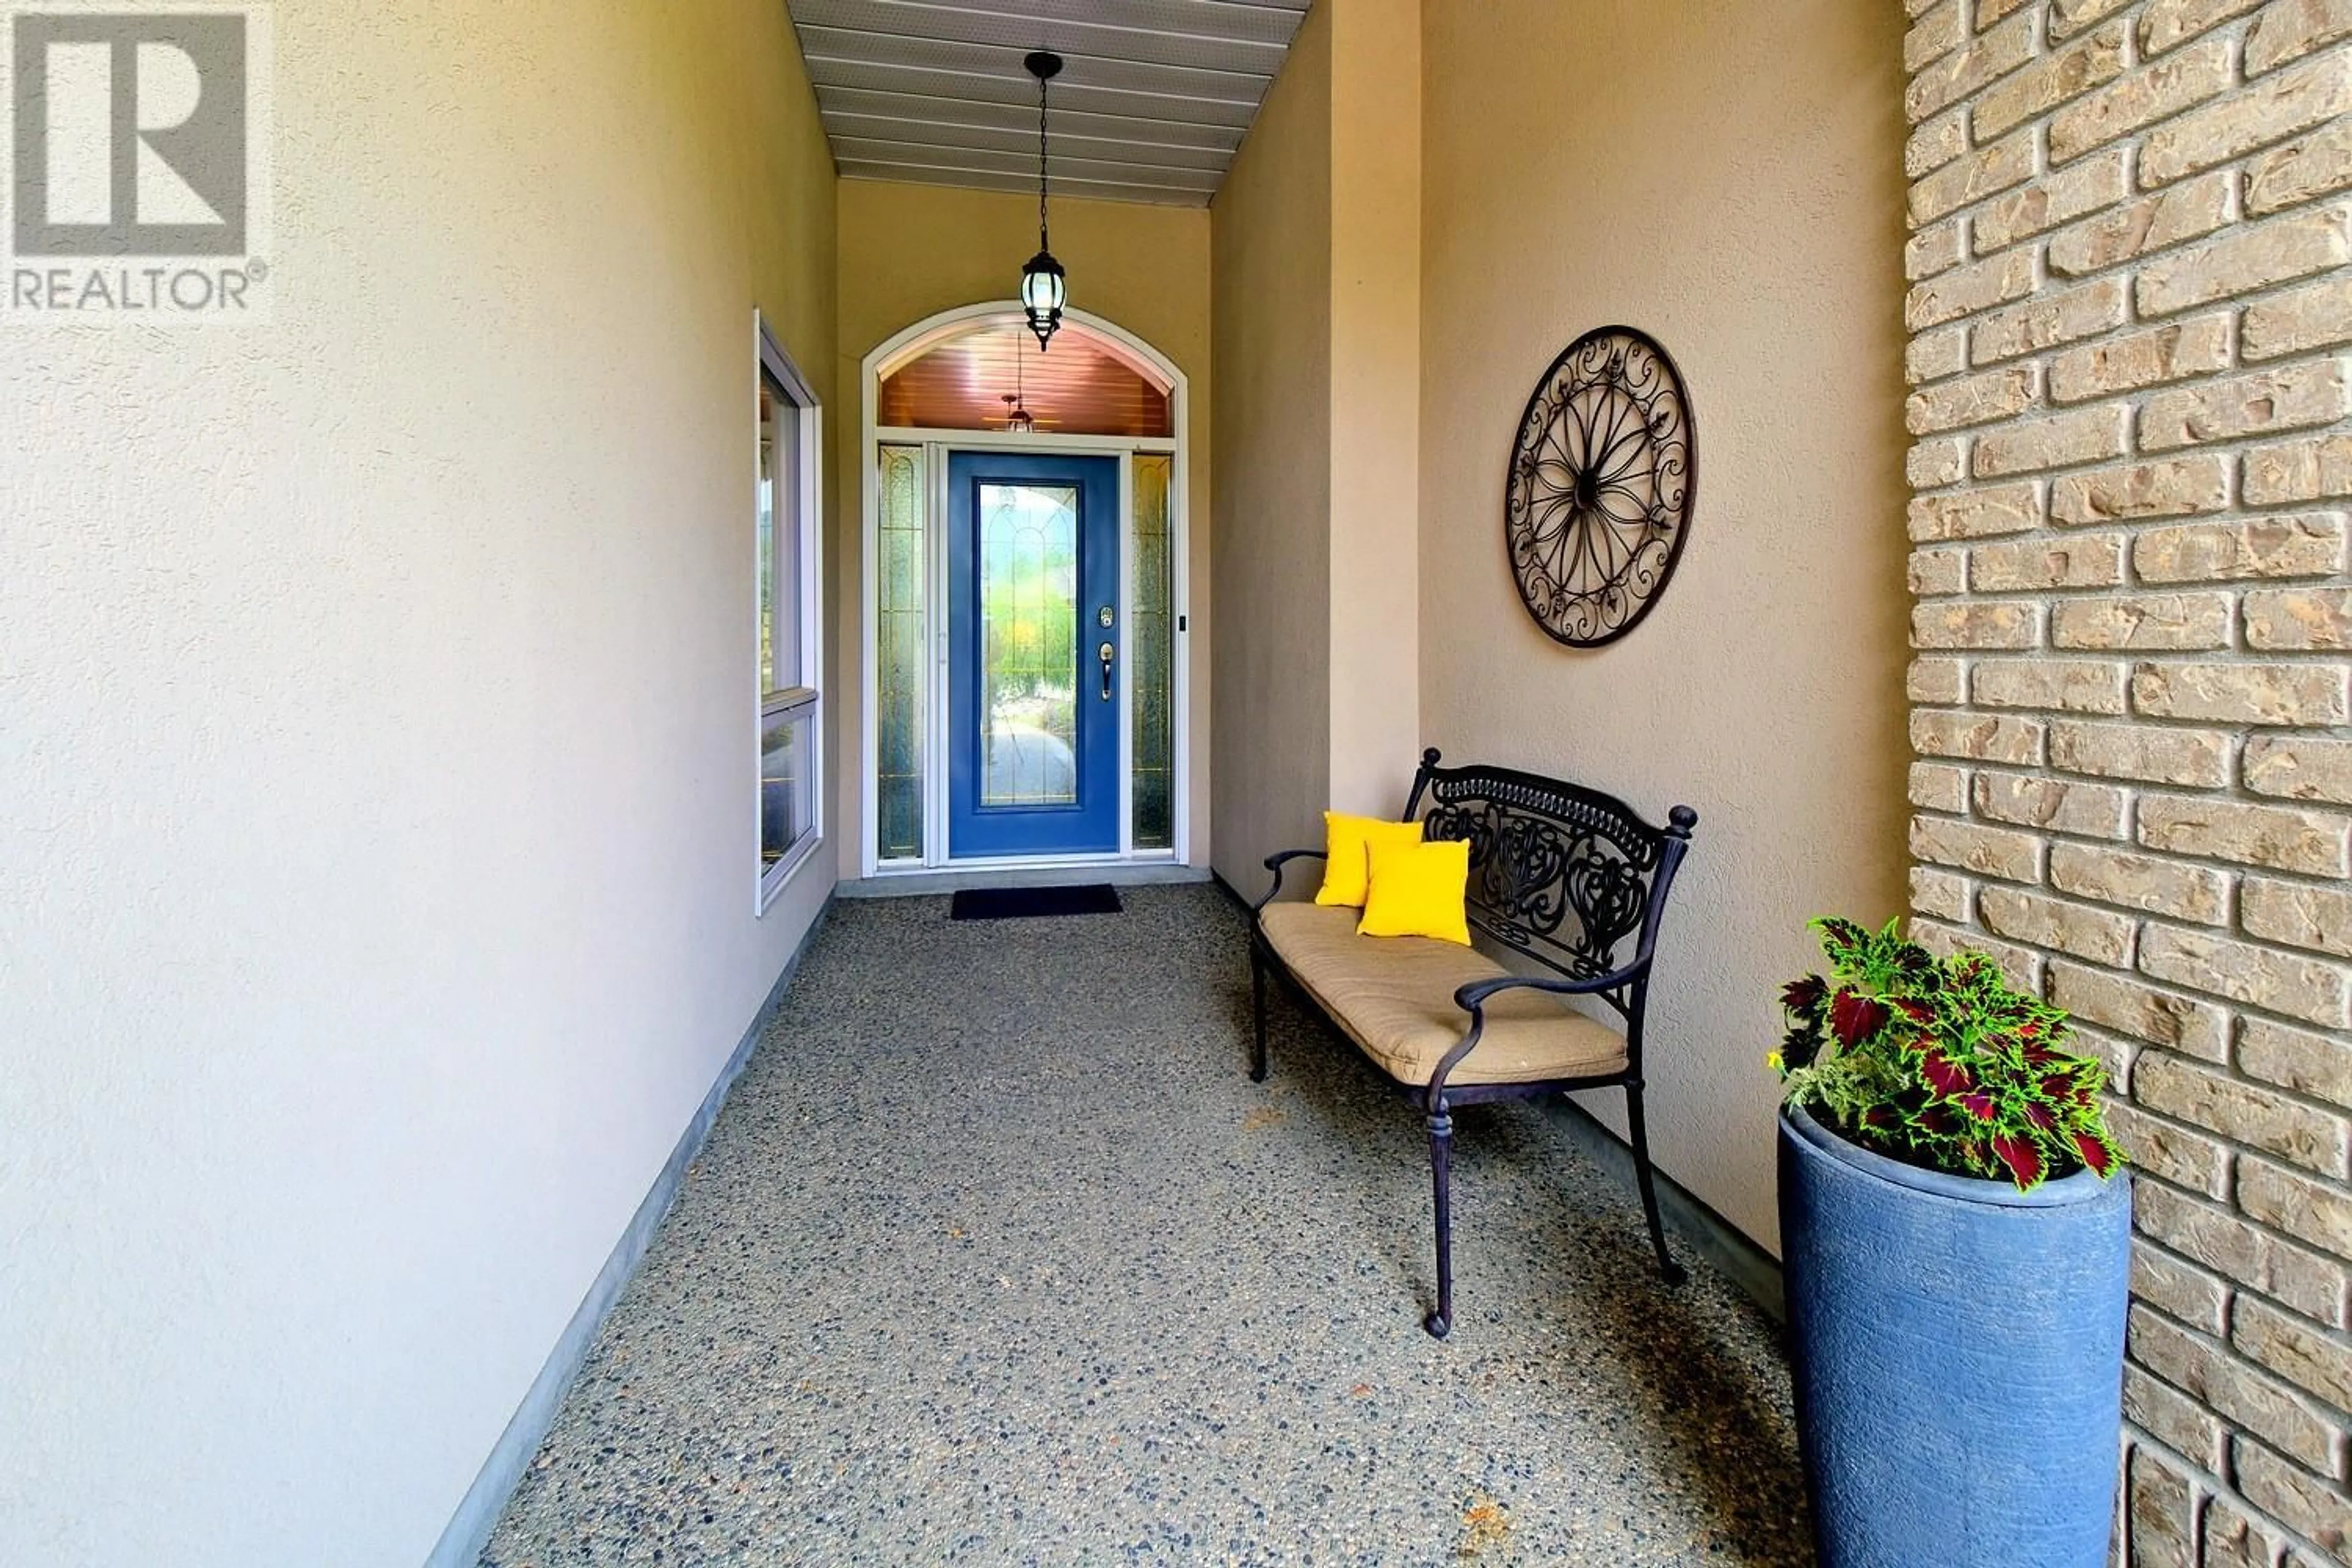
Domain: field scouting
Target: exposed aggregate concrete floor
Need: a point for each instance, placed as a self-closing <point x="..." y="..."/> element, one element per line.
<point x="996" y="1255"/>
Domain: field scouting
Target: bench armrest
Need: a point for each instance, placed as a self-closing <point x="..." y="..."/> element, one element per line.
<point x="1470" y="998"/>
<point x="1473" y="999"/>
<point x="1275" y="863"/>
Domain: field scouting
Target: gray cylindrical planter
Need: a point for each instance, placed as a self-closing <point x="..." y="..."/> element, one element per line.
<point x="1958" y="1350"/>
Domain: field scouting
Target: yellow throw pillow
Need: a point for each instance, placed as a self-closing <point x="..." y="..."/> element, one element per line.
<point x="1419" y="889"/>
<point x="1347" y="869"/>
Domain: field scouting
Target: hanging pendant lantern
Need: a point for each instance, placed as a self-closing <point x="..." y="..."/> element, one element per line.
<point x="1044" y="288"/>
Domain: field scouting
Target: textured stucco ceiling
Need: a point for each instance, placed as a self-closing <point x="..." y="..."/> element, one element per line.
<point x="1151" y="104"/>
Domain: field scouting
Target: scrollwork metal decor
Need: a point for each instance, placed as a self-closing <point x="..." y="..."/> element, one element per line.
<point x="1602" y="480"/>
<point x="1560" y="873"/>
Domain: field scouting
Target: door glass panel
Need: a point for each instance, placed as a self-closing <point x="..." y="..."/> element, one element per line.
<point x="1028" y="584"/>
<point x="1151" y="631"/>
<point x="902" y="674"/>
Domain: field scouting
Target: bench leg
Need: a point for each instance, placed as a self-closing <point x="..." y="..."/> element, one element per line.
<point x="1671" y="1271"/>
<point x="1258" y="1012"/>
<point x="1440" y="1170"/>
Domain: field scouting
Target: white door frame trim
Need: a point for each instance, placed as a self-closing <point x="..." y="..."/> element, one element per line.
<point x="889" y="356"/>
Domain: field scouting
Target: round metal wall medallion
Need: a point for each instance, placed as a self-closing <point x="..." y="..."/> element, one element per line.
<point x="1602" y="480"/>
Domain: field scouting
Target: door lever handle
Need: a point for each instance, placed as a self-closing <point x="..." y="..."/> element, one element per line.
<point x="1106" y="654"/>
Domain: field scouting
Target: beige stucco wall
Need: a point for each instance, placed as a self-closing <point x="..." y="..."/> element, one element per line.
<point x="377" y="858"/>
<point x="908" y="252"/>
<point x="1731" y="182"/>
<point x="1273" y="558"/>
<point x="1376" y="300"/>
<point x="1318" y="322"/>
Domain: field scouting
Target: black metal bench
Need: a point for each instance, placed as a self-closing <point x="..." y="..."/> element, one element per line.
<point x="1559" y="874"/>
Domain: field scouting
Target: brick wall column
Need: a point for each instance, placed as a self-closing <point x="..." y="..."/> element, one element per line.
<point x="2131" y="260"/>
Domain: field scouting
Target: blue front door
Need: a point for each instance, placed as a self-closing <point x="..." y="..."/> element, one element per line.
<point x="1032" y="671"/>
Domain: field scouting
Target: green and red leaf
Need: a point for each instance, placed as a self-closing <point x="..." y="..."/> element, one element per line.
<point x="1945" y="1075"/>
<point x="1854" y="1018"/>
<point x="2023" y="1159"/>
<point x="1937" y="1121"/>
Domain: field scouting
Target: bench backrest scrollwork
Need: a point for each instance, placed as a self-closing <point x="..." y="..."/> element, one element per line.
<point x="1559" y="872"/>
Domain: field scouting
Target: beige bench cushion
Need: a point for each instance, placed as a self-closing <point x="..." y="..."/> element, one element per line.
<point x="1394" y="996"/>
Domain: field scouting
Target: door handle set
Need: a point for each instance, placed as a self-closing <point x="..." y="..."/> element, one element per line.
<point x="1106" y="654"/>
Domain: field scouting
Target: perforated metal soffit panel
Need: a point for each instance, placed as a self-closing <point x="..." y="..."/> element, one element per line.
<point x="1151" y="106"/>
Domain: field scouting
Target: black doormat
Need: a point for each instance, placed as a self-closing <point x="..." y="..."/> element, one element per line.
<point x="1024" y="903"/>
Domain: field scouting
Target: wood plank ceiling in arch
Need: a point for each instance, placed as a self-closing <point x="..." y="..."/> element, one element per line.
<point x="1080" y="387"/>
<point x="1151" y="104"/>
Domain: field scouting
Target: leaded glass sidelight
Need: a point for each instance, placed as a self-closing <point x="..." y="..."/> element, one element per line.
<point x="1150" y="629"/>
<point x="902" y="672"/>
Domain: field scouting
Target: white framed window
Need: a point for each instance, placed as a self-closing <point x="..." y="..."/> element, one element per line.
<point x="790" y="604"/>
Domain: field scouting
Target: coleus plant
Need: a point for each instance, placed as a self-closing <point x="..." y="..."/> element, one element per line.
<point x="1939" y="1062"/>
